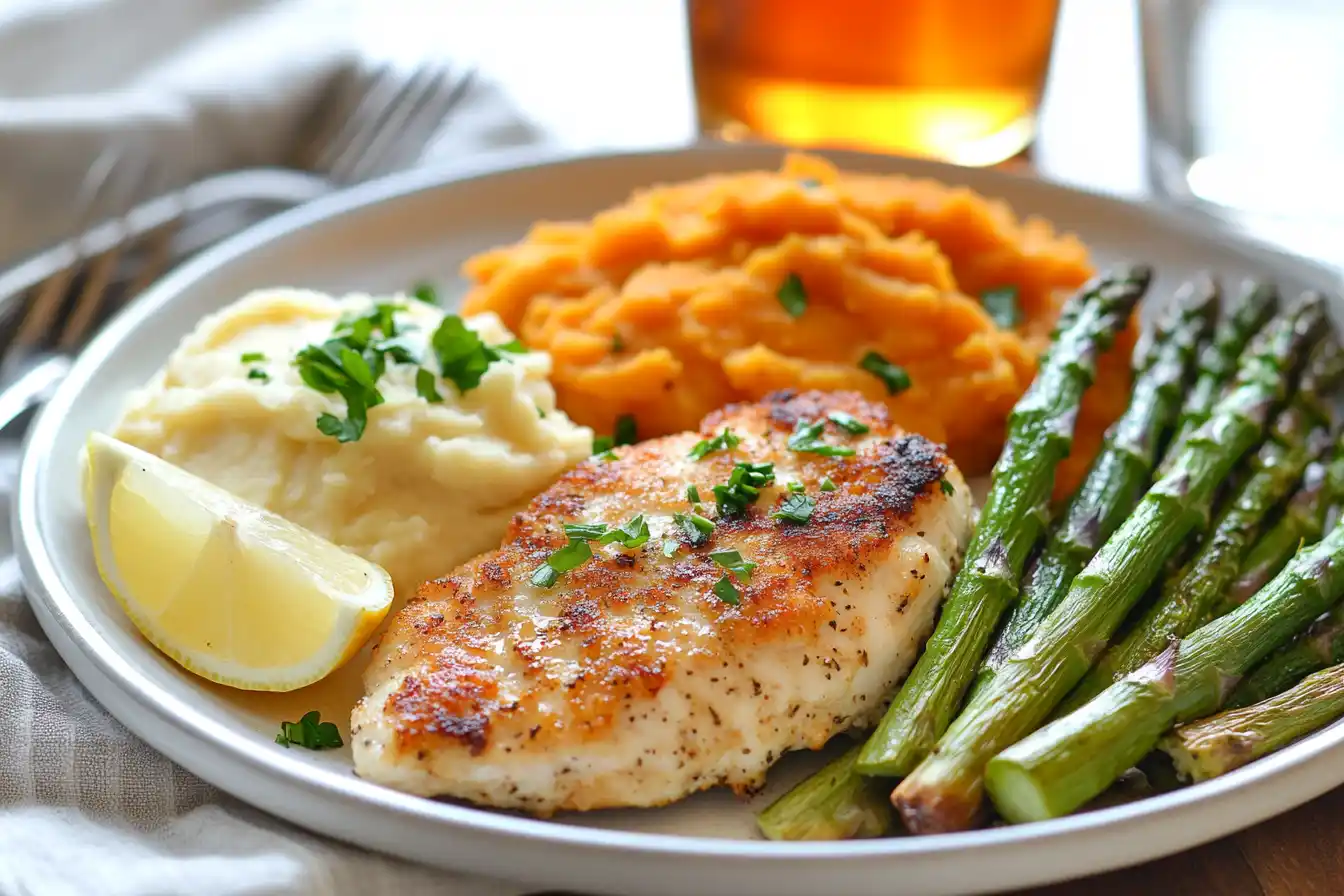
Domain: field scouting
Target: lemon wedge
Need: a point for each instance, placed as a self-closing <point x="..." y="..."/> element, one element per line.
<point x="231" y="591"/>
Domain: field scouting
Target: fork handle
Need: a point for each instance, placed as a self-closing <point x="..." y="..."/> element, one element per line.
<point x="31" y="386"/>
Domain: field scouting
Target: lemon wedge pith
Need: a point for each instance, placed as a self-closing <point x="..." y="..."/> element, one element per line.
<point x="231" y="591"/>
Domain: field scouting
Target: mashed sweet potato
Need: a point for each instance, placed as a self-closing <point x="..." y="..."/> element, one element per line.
<point x="670" y="305"/>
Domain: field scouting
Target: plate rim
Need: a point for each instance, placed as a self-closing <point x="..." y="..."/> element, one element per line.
<point x="58" y="608"/>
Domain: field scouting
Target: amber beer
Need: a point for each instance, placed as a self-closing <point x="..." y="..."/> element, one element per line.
<point x="952" y="79"/>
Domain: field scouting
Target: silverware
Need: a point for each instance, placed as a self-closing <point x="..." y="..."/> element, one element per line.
<point x="61" y="297"/>
<point x="66" y="306"/>
<point x="389" y="125"/>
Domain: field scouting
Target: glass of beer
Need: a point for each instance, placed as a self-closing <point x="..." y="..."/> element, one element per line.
<point x="958" y="80"/>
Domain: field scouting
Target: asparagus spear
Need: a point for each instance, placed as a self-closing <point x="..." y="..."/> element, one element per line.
<point x="1218" y="360"/>
<point x="1120" y="472"/>
<point x="1300" y="433"/>
<point x="1040" y="432"/>
<point x="836" y="803"/>
<point x="946" y="791"/>
<point x="1071" y="760"/>
<point x="1303" y="520"/>
<point x="1320" y="646"/>
<point x="1217" y="745"/>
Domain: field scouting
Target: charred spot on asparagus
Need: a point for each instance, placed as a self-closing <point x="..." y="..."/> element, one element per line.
<point x="1040" y="430"/>
<point x="946" y="791"/>
<point x="1224" y="742"/>
<point x="1219" y="358"/>
<point x="1320" y="646"/>
<point x="1300" y="431"/>
<point x="1121" y="470"/>
<point x="1320" y="495"/>
<point x="1068" y="762"/>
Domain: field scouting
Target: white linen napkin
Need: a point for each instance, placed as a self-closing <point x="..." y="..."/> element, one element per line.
<point x="208" y="85"/>
<point x="201" y="86"/>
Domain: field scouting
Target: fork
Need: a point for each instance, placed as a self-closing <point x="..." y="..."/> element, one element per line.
<point x="66" y="304"/>
<point x="102" y="267"/>
<point x="391" y="124"/>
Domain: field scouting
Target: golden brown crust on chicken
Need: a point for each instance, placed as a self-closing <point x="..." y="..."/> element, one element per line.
<point x="630" y="682"/>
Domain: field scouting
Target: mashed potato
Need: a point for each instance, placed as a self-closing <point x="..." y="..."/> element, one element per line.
<point x="426" y="487"/>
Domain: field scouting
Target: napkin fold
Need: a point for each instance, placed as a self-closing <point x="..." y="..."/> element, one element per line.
<point x="86" y="807"/>
<point x="203" y="86"/>
<point x="199" y="87"/>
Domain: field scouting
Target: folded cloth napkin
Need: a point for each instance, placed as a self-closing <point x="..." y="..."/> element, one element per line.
<point x="205" y="85"/>
<point x="85" y="807"/>
<point x="199" y="86"/>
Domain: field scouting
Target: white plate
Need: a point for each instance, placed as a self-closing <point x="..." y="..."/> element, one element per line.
<point x="421" y="225"/>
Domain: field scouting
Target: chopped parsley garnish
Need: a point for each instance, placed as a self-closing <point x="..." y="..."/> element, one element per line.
<point x="893" y="376"/>
<point x="605" y="456"/>
<point x="256" y="373"/>
<point x="1001" y="306"/>
<point x="743" y="487"/>
<point x="796" y="509"/>
<point x="947" y="487"/>
<point x="577" y="551"/>
<point x="848" y="423"/>
<point x="545" y="575"/>
<point x="806" y="439"/>
<point x="310" y="732"/>
<point x="632" y="535"/>
<point x="792" y="296"/>
<point x="692" y="494"/>
<point x="463" y="356"/>
<point x="670" y="547"/>
<point x="734" y="562"/>
<point x="426" y="293"/>
<point x="253" y="358"/>
<point x="350" y="363"/>
<point x="795" y="487"/>
<point x="348" y="430"/>
<point x="625" y="434"/>
<point x="617" y="343"/>
<point x="569" y="557"/>
<point x="335" y="368"/>
<point x="358" y="332"/>
<point x="696" y="528"/>
<point x="724" y="441"/>
<point x="425" y="388"/>
<point x="513" y="346"/>
<point x="586" y="531"/>
<point x="726" y="591"/>
<point x="810" y="183"/>
<point x="827" y="485"/>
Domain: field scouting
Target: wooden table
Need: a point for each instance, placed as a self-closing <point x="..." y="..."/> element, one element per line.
<point x="1297" y="854"/>
<point x="1094" y="89"/>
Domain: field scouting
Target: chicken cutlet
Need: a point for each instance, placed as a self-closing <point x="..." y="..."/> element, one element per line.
<point x="537" y="678"/>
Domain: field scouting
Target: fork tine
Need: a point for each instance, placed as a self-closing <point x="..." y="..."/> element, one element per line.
<point x="324" y="123"/>
<point x="39" y="320"/>
<point x="95" y="291"/>
<point x="158" y="254"/>
<point x="423" y="122"/>
<point x="381" y="93"/>
<point x="92" y="293"/>
<point x="40" y="317"/>
<point x="418" y="93"/>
